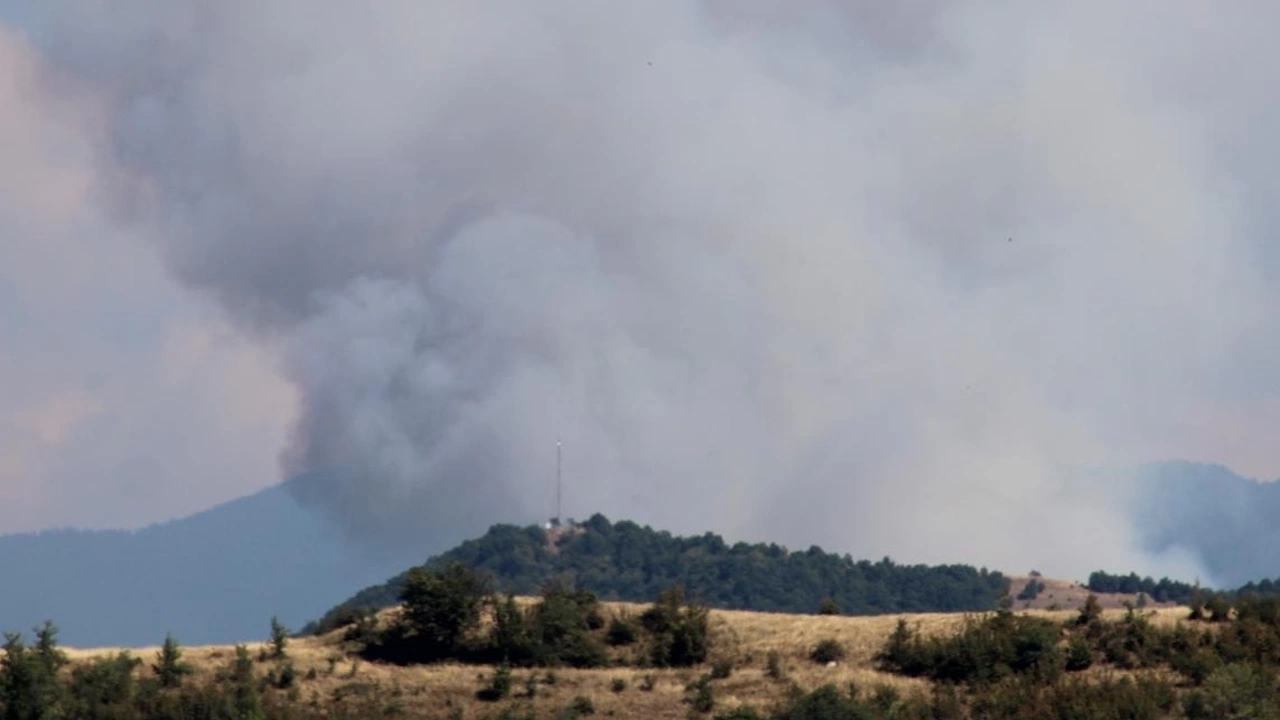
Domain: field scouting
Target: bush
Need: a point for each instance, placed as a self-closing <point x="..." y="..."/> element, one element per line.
<point x="618" y="685"/>
<point x="827" y="651"/>
<point x="680" y="630"/>
<point x="773" y="666"/>
<point x="828" y="607"/>
<point x="742" y="712"/>
<point x="823" y="703"/>
<point x="1079" y="655"/>
<point x="648" y="682"/>
<point x="622" y="631"/>
<point x="582" y="706"/>
<point x="560" y="626"/>
<point x="982" y="651"/>
<point x="1219" y="608"/>
<point x="721" y="669"/>
<point x="1031" y="590"/>
<point x="499" y="686"/>
<point x="288" y="674"/>
<point x="1090" y="612"/>
<point x="700" y="696"/>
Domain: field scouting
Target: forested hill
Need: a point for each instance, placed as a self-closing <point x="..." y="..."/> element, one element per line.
<point x="625" y="561"/>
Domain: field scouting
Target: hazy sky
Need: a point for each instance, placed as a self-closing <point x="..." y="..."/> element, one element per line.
<point x="861" y="274"/>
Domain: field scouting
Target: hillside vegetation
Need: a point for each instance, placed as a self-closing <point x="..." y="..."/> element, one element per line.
<point x="624" y="561"/>
<point x="1088" y="663"/>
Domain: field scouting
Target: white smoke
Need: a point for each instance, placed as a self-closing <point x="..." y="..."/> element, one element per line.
<point x="841" y="273"/>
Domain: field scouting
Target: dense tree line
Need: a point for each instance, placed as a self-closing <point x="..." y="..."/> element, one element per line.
<point x="1162" y="590"/>
<point x="625" y="561"/>
<point x="1166" y="590"/>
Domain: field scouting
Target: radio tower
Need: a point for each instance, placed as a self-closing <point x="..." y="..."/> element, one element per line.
<point x="559" y="484"/>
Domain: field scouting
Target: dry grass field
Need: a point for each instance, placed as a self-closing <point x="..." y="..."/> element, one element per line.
<point x="326" y="668"/>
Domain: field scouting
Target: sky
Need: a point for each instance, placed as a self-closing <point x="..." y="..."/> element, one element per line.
<point x="865" y="275"/>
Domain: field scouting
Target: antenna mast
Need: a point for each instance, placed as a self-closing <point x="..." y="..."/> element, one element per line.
<point x="558" y="481"/>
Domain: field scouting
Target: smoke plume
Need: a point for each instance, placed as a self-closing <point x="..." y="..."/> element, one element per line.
<point x="878" y="276"/>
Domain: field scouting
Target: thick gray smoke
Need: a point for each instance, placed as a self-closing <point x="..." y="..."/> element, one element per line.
<point x="871" y="275"/>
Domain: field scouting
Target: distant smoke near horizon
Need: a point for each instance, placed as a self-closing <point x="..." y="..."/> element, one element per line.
<point x="871" y="276"/>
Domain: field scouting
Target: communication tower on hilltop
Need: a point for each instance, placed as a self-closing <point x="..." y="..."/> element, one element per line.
<point x="555" y="521"/>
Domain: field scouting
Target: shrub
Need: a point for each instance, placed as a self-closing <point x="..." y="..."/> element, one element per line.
<point x="622" y="631"/>
<point x="828" y="607"/>
<point x="700" y="696"/>
<point x="582" y="706"/>
<point x="618" y="685"/>
<point x="1031" y="590"/>
<point x="1219" y="608"/>
<point x="680" y="630"/>
<point x="560" y="628"/>
<point x="288" y="674"/>
<point x="742" y="712"/>
<point x="1079" y="655"/>
<point x="1090" y="612"/>
<point x="773" y="666"/>
<point x="721" y="669"/>
<point x="648" y="682"/>
<point x="499" y="686"/>
<point x="827" y="651"/>
<point x="982" y="651"/>
<point x="824" y="702"/>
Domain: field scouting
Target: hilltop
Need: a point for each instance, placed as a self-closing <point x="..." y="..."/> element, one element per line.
<point x="625" y="561"/>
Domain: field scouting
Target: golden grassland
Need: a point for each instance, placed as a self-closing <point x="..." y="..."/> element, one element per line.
<point x="327" y="667"/>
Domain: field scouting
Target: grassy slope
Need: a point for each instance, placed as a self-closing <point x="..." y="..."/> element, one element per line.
<point x="744" y="637"/>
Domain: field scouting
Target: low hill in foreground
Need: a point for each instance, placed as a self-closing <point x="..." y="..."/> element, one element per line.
<point x="624" y="561"/>
<point x="330" y="680"/>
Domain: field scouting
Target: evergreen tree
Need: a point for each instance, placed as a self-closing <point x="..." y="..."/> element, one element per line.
<point x="29" y="685"/>
<point x="246" y="700"/>
<point x="279" y="639"/>
<point x="169" y="667"/>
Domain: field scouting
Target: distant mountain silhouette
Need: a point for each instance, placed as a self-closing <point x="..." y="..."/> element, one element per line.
<point x="214" y="577"/>
<point x="1230" y="523"/>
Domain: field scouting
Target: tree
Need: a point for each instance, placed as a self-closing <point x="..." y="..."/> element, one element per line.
<point x="509" y="637"/>
<point x="442" y="608"/>
<point x="1090" y="612"/>
<point x="169" y="667"/>
<point x="828" y="607"/>
<point x="244" y="686"/>
<point x="29" y="686"/>
<point x="103" y="689"/>
<point x="680" y="630"/>
<point x="279" y="638"/>
<point x="51" y="659"/>
<point x="561" y="625"/>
